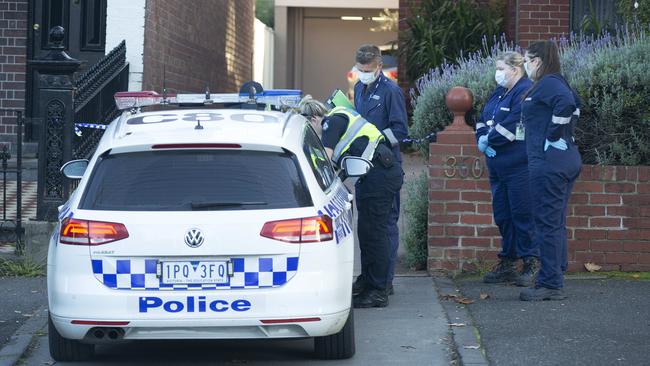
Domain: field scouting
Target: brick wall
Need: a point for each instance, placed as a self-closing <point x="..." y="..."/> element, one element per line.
<point x="608" y="220"/>
<point x="542" y="20"/>
<point x="199" y="42"/>
<point x="13" y="54"/>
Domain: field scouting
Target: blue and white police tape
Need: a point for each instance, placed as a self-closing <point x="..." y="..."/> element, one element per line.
<point x="426" y="139"/>
<point x="77" y="131"/>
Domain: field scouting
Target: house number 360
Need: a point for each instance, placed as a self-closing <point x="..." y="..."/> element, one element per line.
<point x="464" y="167"/>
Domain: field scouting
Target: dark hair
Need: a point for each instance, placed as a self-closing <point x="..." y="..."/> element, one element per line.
<point x="548" y="52"/>
<point x="368" y="53"/>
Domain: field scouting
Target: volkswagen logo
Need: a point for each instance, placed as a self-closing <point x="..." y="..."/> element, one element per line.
<point x="194" y="238"/>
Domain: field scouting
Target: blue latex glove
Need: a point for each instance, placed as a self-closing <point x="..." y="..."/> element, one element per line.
<point x="559" y="144"/>
<point x="490" y="152"/>
<point x="483" y="143"/>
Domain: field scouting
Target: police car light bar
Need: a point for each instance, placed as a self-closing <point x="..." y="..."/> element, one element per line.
<point x="275" y="97"/>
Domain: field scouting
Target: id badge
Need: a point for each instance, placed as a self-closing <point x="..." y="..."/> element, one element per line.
<point x="520" y="133"/>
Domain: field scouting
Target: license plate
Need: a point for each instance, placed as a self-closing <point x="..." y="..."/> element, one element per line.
<point x="189" y="272"/>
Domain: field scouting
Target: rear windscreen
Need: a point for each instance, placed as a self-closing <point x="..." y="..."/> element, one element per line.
<point x="196" y="180"/>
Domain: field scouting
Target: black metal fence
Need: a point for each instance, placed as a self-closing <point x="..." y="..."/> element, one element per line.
<point x="93" y="99"/>
<point x="11" y="229"/>
<point x="61" y="100"/>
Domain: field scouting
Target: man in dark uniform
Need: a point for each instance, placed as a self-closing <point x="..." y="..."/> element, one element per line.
<point x="344" y="132"/>
<point x="381" y="102"/>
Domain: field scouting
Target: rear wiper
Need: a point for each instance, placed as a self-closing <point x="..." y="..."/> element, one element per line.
<point x="206" y="205"/>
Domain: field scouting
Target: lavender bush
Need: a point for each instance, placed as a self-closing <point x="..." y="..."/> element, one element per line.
<point x="609" y="72"/>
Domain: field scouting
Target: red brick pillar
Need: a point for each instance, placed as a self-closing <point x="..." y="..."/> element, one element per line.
<point x="460" y="203"/>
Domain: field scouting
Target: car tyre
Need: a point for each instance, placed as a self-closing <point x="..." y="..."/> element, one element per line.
<point x="63" y="349"/>
<point x="337" y="346"/>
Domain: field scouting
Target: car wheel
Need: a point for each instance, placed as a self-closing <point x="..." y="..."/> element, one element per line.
<point x="337" y="346"/>
<point x="63" y="349"/>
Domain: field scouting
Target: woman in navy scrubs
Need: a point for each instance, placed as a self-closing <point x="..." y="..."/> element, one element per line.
<point x="550" y="111"/>
<point x="500" y="136"/>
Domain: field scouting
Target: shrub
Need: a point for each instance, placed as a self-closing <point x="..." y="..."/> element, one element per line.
<point x="20" y="268"/>
<point x="641" y="14"/>
<point x="474" y="71"/>
<point x="445" y="29"/>
<point x="611" y="76"/>
<point x="415" y="208"/>
<point x="609" y="73"/>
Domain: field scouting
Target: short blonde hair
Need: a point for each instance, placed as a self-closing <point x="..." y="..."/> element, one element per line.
<point x="310" y="107"/>
<point x="512" y="58"/>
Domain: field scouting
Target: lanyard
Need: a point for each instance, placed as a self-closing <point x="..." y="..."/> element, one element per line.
<point x="496" y="107"/>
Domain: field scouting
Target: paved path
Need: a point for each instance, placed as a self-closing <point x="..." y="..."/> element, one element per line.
<point x="19" y="298"/>
<point x="411" y="331"/>
<point x="603" y="322"/>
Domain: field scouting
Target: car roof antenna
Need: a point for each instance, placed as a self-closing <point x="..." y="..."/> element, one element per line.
<point x="164" y="91"/>
<point x="208" y="100"/>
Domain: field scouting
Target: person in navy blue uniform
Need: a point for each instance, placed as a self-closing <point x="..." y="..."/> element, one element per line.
<point x="381" y="102"/>
<point x="550" y="111"/>
<point x="375" y="191"/>
<point x="500" y="136"/>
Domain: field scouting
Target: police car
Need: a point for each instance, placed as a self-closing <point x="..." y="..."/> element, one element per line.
<point x="204" y="224"/>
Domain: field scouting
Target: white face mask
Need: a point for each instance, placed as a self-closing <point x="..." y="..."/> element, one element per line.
<point x="530" y="72"/>
<point x="366" y="77"/>
<point x="501" y="78"/>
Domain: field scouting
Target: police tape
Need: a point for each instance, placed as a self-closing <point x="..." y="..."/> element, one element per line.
<point x="77" y="131"/>
<point x="426" y="139"/>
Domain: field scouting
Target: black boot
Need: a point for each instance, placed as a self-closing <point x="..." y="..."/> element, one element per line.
<point x="527" y="276"/>
<point x="504" y="271"/>
<point x="539" y="293"/>
<point x="370" y="298"/>
<point x="358" y="286"/>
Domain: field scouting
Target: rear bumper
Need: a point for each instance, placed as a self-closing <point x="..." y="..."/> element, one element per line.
<point x="320" y="289"/>
<point x="206" y="328"/>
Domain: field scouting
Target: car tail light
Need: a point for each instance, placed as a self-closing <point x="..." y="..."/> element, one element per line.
<point x="104" y="323"/>
<point x="85" y="232"/>
<point x="292" y="320"/>
<point x="305" y="230"/>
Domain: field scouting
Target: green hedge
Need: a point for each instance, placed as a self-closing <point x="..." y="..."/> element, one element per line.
<point x="610" y="73"/>
<point x="442" y="30"/>
<point x="415" y="208"/>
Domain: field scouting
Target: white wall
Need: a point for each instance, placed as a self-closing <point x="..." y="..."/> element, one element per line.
<point x="263" y="55"/>
<point x="358" y="4"/>
<point x="125" y="21"/>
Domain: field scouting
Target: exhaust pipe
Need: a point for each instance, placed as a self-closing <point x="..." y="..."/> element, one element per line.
<point x="99" y="333"/>
<point x="104" y="334"/>
<point x="113" y="334"/>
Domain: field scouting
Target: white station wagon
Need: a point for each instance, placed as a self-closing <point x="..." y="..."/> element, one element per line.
<point x="204" y="224"/>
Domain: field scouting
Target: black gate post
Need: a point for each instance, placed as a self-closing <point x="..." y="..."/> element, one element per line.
<point x="54" y="109"/>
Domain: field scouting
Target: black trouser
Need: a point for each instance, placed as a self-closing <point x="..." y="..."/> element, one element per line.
<point x="376" y="194"/>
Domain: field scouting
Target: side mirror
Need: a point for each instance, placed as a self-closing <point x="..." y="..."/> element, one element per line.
<point x="355" y="166"/>
<point x="75" y="169"/>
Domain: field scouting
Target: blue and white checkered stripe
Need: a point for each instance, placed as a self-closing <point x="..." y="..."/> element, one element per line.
<point x="77" y="130"/>
<point x="249" y="272"/>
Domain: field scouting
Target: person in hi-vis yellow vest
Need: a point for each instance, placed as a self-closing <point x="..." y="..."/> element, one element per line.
<point x="344" y="132"/>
